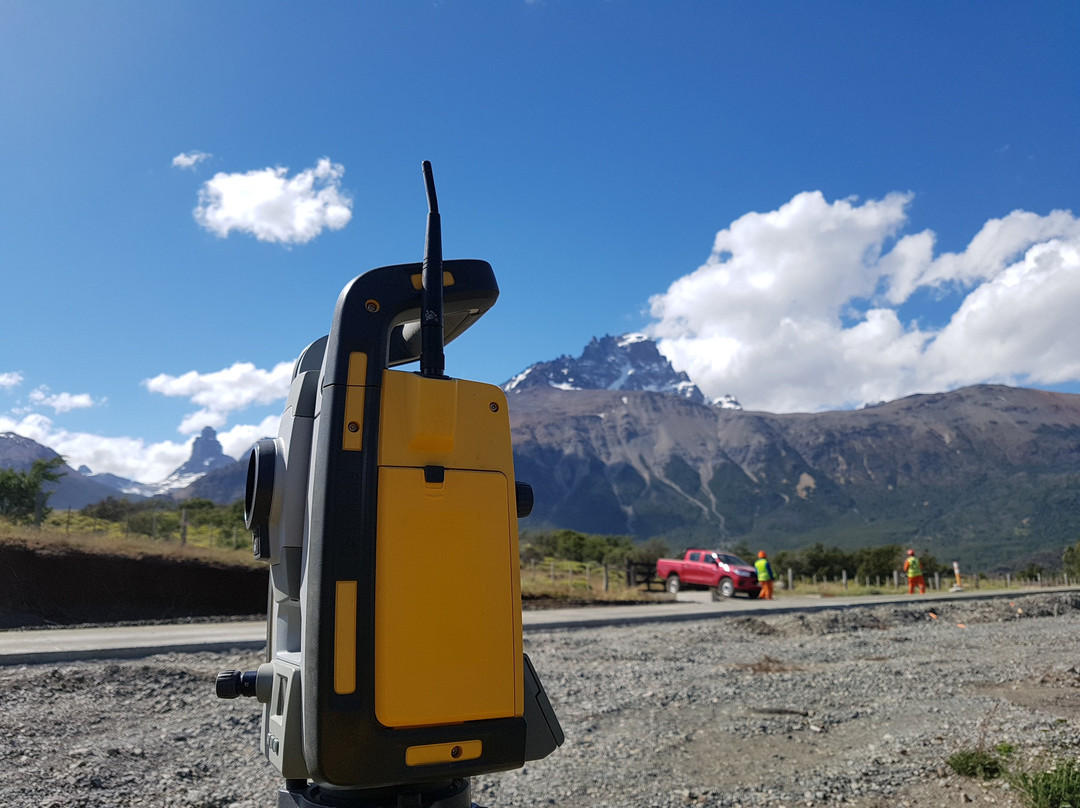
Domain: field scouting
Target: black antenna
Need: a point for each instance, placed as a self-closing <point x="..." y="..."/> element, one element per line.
<point x="432" y="359"/>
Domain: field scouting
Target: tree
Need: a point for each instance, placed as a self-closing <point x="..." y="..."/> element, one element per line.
<point x="1070" y="560"/>
<point x="22" y="495"/>
<point x="878" y="562"/>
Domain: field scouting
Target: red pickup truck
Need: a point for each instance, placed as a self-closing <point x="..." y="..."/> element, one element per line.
<point x="723" y="573"/>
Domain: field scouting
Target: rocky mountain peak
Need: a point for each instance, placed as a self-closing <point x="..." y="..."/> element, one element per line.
<point x="206" y="455"/>
<point x="629" y="362"/>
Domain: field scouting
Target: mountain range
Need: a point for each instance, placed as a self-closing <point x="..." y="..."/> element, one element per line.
<point x="618" y="442"/>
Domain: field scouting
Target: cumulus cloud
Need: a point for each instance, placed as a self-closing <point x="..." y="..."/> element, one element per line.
<point x="236" y="442"/>
<point x="10" y="380"/>
<point x="132" y="458"/>
<point x="190" y="159"/>
<point x="217" y="394"/>
<point x="274" y="207"/>
<point x="798" y="308"/>
<point x="223" y="391"/>
<point x="61" y="402"/>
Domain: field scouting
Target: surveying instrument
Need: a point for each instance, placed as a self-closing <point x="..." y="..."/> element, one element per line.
<point x="387" y="509"/>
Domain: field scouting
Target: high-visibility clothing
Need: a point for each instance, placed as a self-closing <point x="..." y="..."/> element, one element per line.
<point x="764" y="571"/>
<point x="913" y="568"/>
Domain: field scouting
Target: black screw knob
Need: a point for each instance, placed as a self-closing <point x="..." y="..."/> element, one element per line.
<point x="525" y="499"/>
<point x="231" y="684"/>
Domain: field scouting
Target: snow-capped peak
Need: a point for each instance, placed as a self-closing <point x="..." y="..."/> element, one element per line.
<point x="629" y="362"/>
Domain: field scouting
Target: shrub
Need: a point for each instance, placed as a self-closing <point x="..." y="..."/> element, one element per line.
<point x="976" y="763"/>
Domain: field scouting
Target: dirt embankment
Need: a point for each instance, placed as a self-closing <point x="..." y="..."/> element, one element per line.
<point x="65" y="586"/>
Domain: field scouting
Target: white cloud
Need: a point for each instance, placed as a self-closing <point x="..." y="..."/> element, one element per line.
<point x="223" y="391"/>
<point x="10" y="380"/>
<point x="236" y="442"/>
<point x="217" y="394"/>
<point x="132" y="458"/>
<point x="127" y="457"/>
<point x="273" y="207"/>
<point x="62" y="402"/>
<point x="797" y="309"/>
<point x="190" y="159"/>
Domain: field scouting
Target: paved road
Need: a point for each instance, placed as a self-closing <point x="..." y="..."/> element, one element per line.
<point x="68" y="644"/>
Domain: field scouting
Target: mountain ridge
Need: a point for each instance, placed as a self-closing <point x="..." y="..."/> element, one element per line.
<point x="616" y="442"/>
<point x="940" y="468"/>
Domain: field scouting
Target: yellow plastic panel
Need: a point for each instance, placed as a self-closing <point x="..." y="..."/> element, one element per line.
<point x="447" y="604"/>
<point x="443" y="753"/>
<point x="352" y="434"/>
<point x="444" y="422"/>
<point x="345" y="637"/>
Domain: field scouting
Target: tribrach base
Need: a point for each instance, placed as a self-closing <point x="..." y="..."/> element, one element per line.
<point x="450" y="794"/>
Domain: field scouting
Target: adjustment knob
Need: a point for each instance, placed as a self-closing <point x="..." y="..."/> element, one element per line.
<point x="525" y="500"/>
<point x="231" y="684"/>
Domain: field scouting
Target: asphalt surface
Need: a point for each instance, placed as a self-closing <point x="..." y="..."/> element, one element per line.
<point x="29" y="647"/>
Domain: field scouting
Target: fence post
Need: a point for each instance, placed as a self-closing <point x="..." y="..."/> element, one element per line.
<point x="606" y="582"/>
<point x="552" y="571"/>
<point x="588" y="576"/>
<point x="790" y="579"/>
<point x="895" y="579"/>
<point x="976" y="580"/>
<point x="937" y="581"/>
<point x="844" y="578"/>
<point x="1008" y="580"/>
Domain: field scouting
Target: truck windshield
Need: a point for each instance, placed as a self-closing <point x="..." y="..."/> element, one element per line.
<point x="733" y="561"/>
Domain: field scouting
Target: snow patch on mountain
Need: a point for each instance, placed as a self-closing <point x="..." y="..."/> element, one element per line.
<point x="628" y="362"/>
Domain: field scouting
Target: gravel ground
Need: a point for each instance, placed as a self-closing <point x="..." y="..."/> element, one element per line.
<point x="859" y="707"/>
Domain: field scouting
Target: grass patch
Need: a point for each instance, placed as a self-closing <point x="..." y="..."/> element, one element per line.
<point x="976" y="763"/>
<point x="561" y="580"/>
<point x="1057" y="788"/>
<point x="110" y="540"/>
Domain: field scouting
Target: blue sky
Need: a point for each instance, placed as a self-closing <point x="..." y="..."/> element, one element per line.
<point x="810" y="205"/>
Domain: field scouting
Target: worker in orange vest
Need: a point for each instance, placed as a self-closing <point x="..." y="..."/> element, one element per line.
<point x="765" y="576"/>
<point x="914" y="574"/>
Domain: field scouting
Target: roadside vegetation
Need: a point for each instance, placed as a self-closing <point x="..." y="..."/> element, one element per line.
<point x="1040" y="784"/>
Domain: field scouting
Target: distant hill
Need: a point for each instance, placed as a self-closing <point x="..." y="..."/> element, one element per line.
<point x="987" y="474"/>
<point x="208" y="473"/>
<point x="73" y="491"/>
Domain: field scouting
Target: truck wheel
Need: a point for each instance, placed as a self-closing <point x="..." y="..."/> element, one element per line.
<point x="726" y="587"/>
<point x="673" y="584"/>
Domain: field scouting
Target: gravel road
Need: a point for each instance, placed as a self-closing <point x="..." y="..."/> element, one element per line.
<point x="858" y="707"/>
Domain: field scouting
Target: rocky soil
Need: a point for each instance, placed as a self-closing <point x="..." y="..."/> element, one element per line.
<point x="858" y="707"/>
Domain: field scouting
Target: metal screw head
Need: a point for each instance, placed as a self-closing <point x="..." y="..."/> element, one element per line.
<point x="493" y="406"/>
<point x="353" y="426"/>
<point x="372" y="306"/>
<point x="455" y="752"/>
